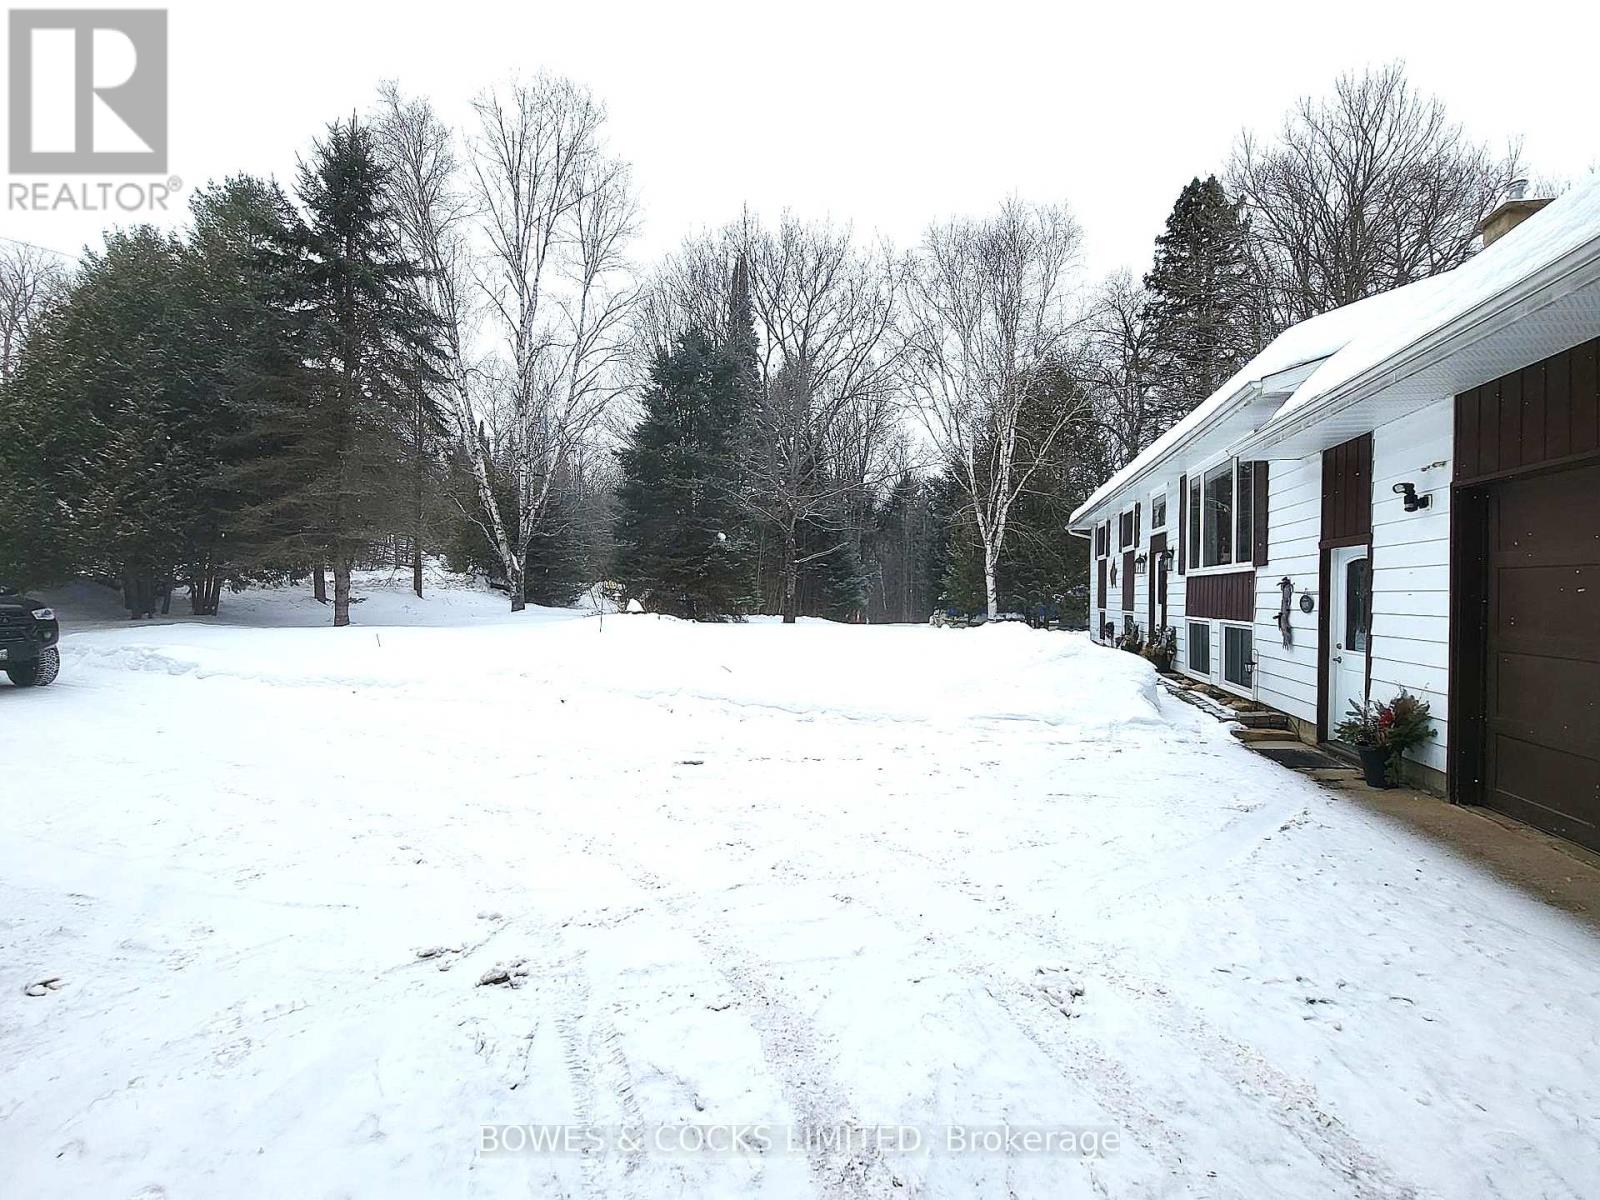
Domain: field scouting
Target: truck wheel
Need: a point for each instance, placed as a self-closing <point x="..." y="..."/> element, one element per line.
<point x="41" y="672"/>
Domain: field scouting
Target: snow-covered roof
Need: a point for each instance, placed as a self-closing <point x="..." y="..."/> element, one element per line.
<point x="1311" y="340"/>
<point x="1365" y="343"/>
<point x="1566" y="231"/>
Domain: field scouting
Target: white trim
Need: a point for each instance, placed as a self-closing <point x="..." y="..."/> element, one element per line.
<point x="1223" y="681"/>
<point x="1211" y="648"/>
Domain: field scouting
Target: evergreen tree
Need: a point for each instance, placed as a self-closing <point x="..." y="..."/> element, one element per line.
<point x="679" y="547"/>
<point x="128" y="405"/>
<point x="1200" y="316"/>
<point x="335" y="448"/>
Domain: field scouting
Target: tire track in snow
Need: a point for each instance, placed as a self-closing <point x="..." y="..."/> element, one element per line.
<point x="595" y="1064"/>
<point x="1296" y="1105"/>
<point x="788" y="1039"/>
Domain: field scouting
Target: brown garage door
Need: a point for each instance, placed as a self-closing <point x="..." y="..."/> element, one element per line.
<point x="1542" y="695"/>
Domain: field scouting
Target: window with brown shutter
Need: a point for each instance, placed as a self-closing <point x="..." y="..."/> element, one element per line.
<point x="1259" y="483"/>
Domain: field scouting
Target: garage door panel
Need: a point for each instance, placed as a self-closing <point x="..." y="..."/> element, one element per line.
<point x="1552" y="702"/>
<point x="1542" y="679"/>
<point x="1552" y="610"/>
<point x="1551" y="788"/>
<point x="1526" y="530"/>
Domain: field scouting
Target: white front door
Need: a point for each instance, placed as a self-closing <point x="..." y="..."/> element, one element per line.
<point x="1350" y="582"/>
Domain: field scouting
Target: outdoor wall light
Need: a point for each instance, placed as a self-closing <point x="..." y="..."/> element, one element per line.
<point x="1139" y="564"/>
<point x="1412" y="500"/>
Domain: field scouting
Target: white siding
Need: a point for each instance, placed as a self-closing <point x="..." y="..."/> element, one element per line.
<point x="1286" y="678"/>
<point x="1411" y="565"/>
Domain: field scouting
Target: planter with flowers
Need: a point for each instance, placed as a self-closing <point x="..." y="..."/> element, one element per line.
<point x="1382" y="733"/>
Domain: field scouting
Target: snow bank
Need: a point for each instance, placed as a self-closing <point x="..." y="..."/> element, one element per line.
<point x="318" y="903"/>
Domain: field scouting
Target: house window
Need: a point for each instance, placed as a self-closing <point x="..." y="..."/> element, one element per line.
<point x="1200" y="647"/>
<point x="1238" y="649"/>
<point x="1158" y="511"/>
<point x="1217" y="517"/>
<point x="1222" y="515"/>
<point x="1244" y="511"/>
<point x="1355" y="605"/>
<point x="1126" y="530"/>
<point x="1194" y="521"/>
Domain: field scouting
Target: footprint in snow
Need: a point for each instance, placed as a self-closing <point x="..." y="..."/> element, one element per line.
<point x="1059" y="990"/>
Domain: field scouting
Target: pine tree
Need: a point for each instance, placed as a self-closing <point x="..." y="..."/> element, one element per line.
<point x="336" y="446"/>
<point x="679" y="547"/>
<point x="1200" y="314"/>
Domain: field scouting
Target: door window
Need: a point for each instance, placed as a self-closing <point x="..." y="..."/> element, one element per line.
<point x="1357" y="589"/>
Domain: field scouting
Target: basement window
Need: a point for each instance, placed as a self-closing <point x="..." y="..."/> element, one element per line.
<point x="1200" y="647"/>
<point x="1238" y="653"/>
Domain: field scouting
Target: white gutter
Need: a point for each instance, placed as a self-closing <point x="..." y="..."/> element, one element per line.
<point x="1582" y="268"/>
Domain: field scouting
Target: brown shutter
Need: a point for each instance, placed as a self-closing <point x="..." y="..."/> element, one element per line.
<point x="1258" y="483"/>
<point x="1127" y="581"/>
<point x="1183" y="522"/>
<point x="1136" y="507"/>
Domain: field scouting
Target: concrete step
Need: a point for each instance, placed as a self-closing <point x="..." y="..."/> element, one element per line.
<point x="1263" y="720"/>
<point x="1246" y="734"/>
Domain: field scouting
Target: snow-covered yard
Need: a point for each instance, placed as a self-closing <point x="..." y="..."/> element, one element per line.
<point x="734" y="876"/>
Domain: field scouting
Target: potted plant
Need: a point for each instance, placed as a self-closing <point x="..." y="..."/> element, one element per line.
<point x="1382" y="733"/>
<point x="1162" y="648"/>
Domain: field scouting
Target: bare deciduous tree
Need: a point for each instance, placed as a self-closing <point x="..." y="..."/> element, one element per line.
<point x="433" y="214"/>
<point x="558" y="214"/>
<point x="31" y="279"/>
<point x="988" y="314"/>
<point x="527" y="263"/>
<point x="1363" y="191"/>
<point x="816" y="435"/>
<point x="1117" y="367"/>
<point x="824" y="311"/>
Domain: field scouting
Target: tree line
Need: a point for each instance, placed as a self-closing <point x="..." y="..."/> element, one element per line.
<point x="437" y="341"/>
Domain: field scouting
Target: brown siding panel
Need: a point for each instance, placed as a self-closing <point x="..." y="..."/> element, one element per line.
<point x="1230" y="597"/>
<point x="1586" y="398"/>
<point x="1546" y="412"/>
<point x="1347" y="490"/>
<point x="1260" y="492"/>
<point x="1558" y="406"/>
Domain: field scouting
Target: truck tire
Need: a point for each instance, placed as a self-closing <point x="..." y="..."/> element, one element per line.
<point x="41" y="672"/>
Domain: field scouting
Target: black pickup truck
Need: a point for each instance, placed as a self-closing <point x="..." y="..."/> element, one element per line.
<point x="28" y="635"/>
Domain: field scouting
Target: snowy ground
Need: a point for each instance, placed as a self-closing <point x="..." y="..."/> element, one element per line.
<point x="756" y="876"/>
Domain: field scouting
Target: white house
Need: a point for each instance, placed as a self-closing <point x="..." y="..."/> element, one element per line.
<point x="1402" y="493"/>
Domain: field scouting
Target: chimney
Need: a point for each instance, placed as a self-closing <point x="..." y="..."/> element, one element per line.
<point x="1513" y="211"/>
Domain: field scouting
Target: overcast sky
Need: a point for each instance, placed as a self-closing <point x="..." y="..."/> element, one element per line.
<point x="883" y="115"/>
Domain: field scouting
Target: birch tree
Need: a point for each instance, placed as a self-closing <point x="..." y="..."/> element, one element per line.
<point x="557" y="214"/>
<point x="987" y="314"/>
<point x="525" y="233"/>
